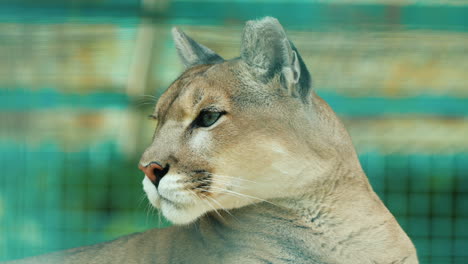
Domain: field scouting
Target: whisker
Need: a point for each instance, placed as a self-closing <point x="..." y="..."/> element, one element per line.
<point x="143" y="104"/>
<point x="232" y="194"/>
<point x="143" y="196"/>
<point x="209" y="204"/>
<point x="148" y="95"/>
<point x="215" y="210"/>
<point x="159" y="218"/>
<point x="148" y="209"/>
<point x="227" y="183"/>
<point x="235" y="178"/>
<point x="140" y="100"/>
<point x="150" y="212"/>
<point x="222" y="208"/>
<point x="242" y="195"/>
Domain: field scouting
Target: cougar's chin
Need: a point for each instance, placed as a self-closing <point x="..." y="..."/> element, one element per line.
<point x="177" y="206"/>
<point x="180" y="214"/>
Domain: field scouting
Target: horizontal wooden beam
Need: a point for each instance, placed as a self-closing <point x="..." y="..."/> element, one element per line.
<point x="20" y="100"/>
<point x="295" y="15"/>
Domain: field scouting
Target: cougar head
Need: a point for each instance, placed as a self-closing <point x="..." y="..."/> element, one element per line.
<point x="236" y="132"/>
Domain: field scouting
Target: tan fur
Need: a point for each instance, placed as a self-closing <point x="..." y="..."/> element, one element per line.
<point x="285" y="182"/>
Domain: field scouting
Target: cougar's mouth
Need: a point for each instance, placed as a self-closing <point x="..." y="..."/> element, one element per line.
<point x="183" y="197"/>
<point x="178" y="206"/>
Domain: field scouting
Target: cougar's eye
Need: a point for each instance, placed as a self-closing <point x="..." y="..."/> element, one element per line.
<point x="152" y="117"/>
<point x="207" y="118"/>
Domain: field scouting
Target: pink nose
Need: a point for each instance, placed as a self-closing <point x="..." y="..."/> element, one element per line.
<point x="151" y="170"/>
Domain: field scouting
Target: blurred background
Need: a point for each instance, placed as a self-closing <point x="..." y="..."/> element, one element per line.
<point x="77" y="80"/>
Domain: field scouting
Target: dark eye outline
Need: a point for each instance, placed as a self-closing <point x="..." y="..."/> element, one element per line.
<point x="200" y="121"/>
<point x="153" y="117"/>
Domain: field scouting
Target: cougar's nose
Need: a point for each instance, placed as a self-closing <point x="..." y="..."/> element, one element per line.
<point x="154" y="171"/>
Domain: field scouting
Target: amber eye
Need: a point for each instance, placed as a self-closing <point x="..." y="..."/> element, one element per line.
<point x="207" y="118"/>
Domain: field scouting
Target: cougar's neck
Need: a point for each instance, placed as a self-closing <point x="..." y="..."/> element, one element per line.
<point x="319" y="225"/>
<point x="340" y="204"/>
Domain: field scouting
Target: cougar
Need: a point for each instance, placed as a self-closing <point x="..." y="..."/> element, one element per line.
<point x="252" y="166"/>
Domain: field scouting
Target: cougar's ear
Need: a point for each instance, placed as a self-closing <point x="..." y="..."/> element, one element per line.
<point x="267" y="51"/>
<point x="192" y="53"/>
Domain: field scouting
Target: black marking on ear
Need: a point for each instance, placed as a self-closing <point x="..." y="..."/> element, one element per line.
<point x="304" y="85"/>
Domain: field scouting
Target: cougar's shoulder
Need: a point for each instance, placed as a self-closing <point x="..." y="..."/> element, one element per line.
<point x="152" y="246"/>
